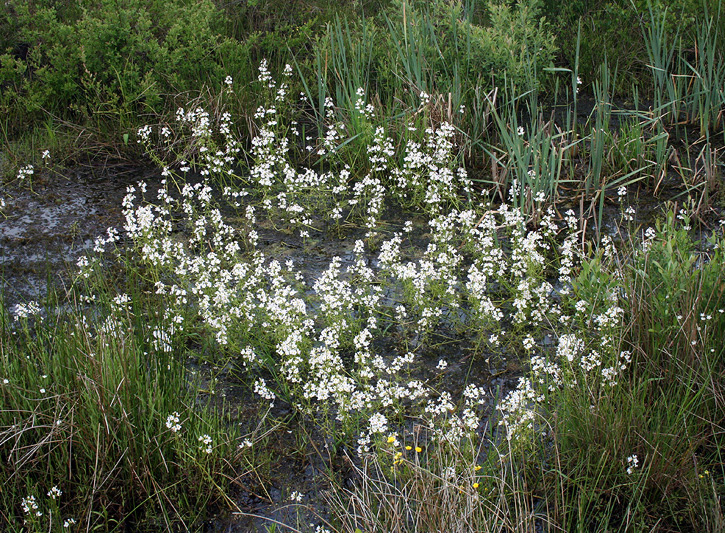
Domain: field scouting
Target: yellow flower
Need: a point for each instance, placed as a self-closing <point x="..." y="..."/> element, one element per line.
<point x="476" y="485"/>
<point x="418" y="449"/>
<point x="408" y="448"/>
<point x="478" y="467"/>
<point x="391" y="439"/>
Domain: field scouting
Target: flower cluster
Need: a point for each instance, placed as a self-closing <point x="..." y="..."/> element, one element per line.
<point x="26" y="310"/>
<point x="30" y="506"/>
<point x="25" y="172"/>
<point x="485" y="272"/>
<point x="205" y="441"/>
<point x="632" y="464"/>
<point x="172" y="422"/>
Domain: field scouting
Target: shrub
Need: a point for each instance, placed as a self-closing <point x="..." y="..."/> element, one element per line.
<point x="109" y="62"/>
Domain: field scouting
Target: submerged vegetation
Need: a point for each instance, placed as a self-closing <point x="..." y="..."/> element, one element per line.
<point x="392" y="258"/>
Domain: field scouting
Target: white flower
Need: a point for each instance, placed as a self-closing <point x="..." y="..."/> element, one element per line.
<point x="633" y="463"/>
<point x="172" y="422"/>
<point x="26" y="310"/>
<point x="378" y="423"/>
<point x="205" y="443"/>
<point x="25" y="172"/>
<point x="121" y="299"/>
<point x="569" y="347"/>
<point x="144" y="133"/>
<point x="29" y="504"/>
<point x="260" y="387"/>
<point x="161" y="340"/>
<point x="529" y="343"/>
<point x="55" y="492"/>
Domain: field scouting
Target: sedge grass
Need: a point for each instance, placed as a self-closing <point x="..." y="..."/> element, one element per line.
<point x="94" y="406"/>
<point x="641" y="454"/>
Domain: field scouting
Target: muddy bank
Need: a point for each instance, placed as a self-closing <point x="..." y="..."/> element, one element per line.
<point x="46" y="227"/>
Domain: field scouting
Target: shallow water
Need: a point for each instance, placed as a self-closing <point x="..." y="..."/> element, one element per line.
<point x="43" y="231"/>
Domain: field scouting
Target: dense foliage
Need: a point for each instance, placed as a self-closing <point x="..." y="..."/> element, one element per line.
<point x="102" y="65"/>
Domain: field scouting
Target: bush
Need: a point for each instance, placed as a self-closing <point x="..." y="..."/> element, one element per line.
<point x="109" y="62"/>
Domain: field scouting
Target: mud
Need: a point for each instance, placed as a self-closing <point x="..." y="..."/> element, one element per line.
<point x="48" y="224"/>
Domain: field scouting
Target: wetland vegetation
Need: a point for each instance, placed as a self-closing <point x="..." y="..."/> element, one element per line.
<point x="362" y="266"/>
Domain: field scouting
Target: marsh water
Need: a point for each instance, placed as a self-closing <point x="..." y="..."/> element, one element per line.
<point x="49" y="224"/>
